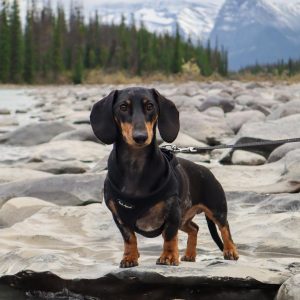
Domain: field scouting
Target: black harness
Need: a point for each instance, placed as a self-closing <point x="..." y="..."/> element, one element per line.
<point x="131" y="208"/>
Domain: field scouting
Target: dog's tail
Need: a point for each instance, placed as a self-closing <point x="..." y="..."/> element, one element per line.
<point x="214" y="233"/>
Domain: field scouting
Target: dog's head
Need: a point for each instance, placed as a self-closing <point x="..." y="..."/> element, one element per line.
<point x="134" y="113"/>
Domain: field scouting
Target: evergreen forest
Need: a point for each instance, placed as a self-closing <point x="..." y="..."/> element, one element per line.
<point x="54" y="43"/>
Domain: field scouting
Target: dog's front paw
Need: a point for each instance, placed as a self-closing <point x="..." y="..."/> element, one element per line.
<point x="188" y="258"/>
<point x="231" y="254"/>
<point x="128" y="262"/>
<point x="168" y="259"/>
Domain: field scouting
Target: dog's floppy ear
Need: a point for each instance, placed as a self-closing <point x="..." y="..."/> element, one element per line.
<point x="168" y="118"/>
<point x="102" y="120"/>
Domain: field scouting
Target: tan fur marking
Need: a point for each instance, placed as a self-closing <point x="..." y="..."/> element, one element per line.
<point x="190" y="252"/>
<point x="170" y="254"/>
<point x="127" y="129"/>
<point x="131" y="253"/>
<point x="230" y="251"/>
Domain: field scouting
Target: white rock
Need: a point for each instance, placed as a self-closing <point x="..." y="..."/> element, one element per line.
<point x="241" y="157"/>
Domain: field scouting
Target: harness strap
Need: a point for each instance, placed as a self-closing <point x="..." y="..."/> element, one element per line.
<point x="130" y="208"/>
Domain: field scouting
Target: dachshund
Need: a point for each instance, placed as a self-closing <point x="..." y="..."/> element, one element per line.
<point x="147" y="189"/>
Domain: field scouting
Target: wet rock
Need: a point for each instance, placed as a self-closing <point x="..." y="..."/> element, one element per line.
<point x="59" y="189"/>
<point x="241" y="157"/>
<point x="35" y="133"/>
<point x="290" y="290"/>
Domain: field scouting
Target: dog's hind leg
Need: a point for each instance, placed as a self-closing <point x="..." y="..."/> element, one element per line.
<point x="230" y="252"/>
<point x="192" y="230"/>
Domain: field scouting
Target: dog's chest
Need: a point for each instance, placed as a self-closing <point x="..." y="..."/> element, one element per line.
<point x="153" y="219"/>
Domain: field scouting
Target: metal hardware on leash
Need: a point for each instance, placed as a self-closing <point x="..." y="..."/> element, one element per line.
<point x="195" y="150"/>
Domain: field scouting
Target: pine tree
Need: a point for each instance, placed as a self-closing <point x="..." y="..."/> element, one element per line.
<point x="16" y="44"/>
<point x="177" y="56"/>
<point x="4" y="44"/>
<point x="58" y="38"/>
<point x="29" y="63"/>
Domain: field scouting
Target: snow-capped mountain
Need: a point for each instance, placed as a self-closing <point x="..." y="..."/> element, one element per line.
<point x="251" y="30"/>
<point x="195" y="18"/>
<point x="258" y="30"/>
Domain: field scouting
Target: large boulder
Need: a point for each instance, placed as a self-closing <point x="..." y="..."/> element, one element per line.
<point x="59" y="189"/>
<point x="35" y="133"/>
<point x="290" y="290"/>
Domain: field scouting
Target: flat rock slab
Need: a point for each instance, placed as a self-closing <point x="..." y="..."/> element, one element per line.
<point x="84" y="243"/>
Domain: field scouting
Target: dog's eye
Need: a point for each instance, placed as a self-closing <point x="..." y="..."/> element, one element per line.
<point x="149" y="106"/>
<point x="123" y="107"/>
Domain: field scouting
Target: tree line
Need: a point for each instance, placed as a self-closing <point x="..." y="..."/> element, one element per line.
<point x="51" y="44"/>
<point x="290" y="68"/>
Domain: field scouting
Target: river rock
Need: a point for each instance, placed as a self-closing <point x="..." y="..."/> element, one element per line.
<point x="70" y="150"/>
<point x="18" y="209"/>
<point x="35" y="133"/>
<point x="59" y="189"/>
<point x="4" y="111"/>
<point x="241" y="157"/>
<point x="281" y="151"/>
<point x="83" y="133"/>
<point x="280" y="177"/>
<point x="8" y="121"/>
<point x="14" y="174"/>
<point x="204" y="128"/>
<point x="226" y="103"/>
<point x="57" y="167"/>
<point x="237" y="119"/>
<point x="284" y="110"/>
<point x="290" y="290"/>
<point x="284" y="128"/>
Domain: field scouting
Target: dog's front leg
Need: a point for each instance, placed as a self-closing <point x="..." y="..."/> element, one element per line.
<point x="170" y="254"/>
<point x="131" y="253"/>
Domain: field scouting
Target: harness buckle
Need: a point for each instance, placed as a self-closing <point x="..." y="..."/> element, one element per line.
<point x="126" y="205"/>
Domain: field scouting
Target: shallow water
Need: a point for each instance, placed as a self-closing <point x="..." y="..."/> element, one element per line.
<point x="17" y="98"/>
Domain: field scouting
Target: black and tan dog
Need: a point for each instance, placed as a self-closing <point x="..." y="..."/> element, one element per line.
<point x="148" y="190"/>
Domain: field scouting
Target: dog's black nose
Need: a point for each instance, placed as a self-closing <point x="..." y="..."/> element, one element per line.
<point x="140" y="137"/>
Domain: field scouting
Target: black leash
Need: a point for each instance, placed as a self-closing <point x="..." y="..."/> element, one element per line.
<point x="196" y="150"/>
